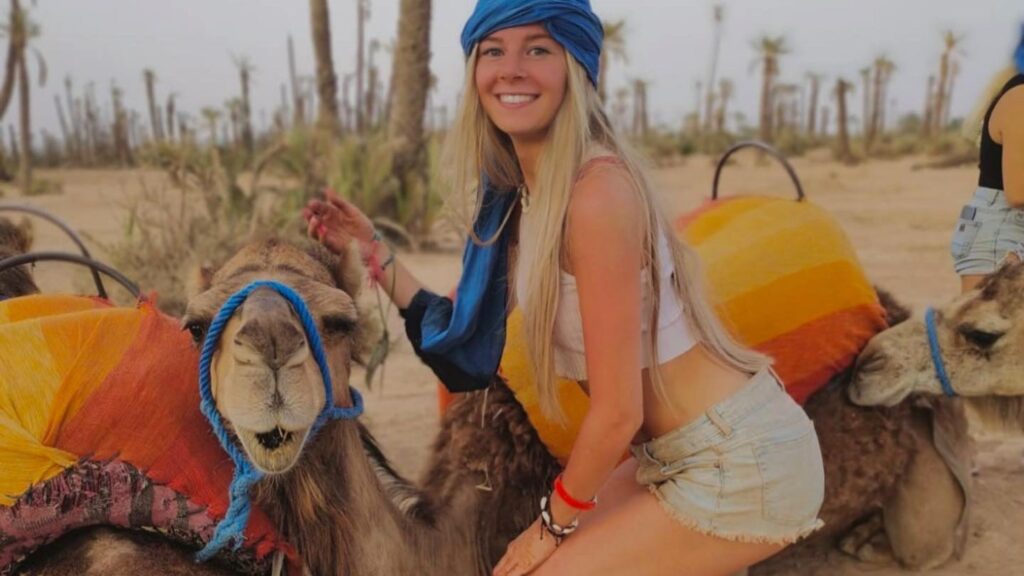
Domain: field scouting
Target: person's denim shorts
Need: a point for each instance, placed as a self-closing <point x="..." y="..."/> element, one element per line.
<point x="748" y="470"/>
<point x="987" y="230"/>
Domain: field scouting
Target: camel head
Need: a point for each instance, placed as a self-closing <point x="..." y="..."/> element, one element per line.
<point x="980" y="336"/>
<point x="265" y="380"/>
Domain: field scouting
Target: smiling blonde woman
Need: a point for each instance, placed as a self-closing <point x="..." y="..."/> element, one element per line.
<point x="726" y="470"/>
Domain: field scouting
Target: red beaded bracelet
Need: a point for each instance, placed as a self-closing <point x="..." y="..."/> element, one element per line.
<point x="568" y="499"/>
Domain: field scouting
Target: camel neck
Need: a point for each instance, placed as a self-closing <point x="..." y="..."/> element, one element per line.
<point x="344" y="503"/>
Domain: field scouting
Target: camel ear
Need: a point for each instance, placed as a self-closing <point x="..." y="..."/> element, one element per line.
<point x="346" y="269"/>
<point x="198" y="280"/>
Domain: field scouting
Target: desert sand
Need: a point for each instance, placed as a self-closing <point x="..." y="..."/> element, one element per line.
<point x="899" y="219"/>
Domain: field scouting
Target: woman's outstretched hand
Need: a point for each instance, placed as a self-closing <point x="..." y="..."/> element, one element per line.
<point x="335" y="223"/>
<point x="526" y="552"/>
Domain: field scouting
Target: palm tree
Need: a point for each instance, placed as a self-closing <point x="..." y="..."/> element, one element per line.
<point x="929" y="108"/>
<point x="170" y="116"/>
<point x="298" y="103"/>
<point x="15" y="45"/>
<point x="620" y="107"/>
<point x="725" y="92"/>
<point x="122" y="148"/>
<point x="245" y="69"/>
<point x="372" y="75"/>
<point x="641" y="123"/>
<point x="614" y="46"/>
<point x="326" y="80"/>
<point x="842" y="134"/>
<point x="865" y="77"/>
<point x="19" y="30"/>
<point x="952" y="43"/>
<point x="362" y="15"/>
<point x="718" y="15"/>
<point x="769" y="50"/>
<point x="149" y="76"/>
<point x="410" y="82"/>
<point x="211" y="115"/>
<point x="883" y="68"/>
<point x="812" y="114"/>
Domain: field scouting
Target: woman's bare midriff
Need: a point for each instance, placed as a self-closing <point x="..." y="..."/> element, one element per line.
<point x="694" y="381"/>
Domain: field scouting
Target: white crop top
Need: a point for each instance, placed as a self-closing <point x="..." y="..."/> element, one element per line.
<point x="674" y="333"/>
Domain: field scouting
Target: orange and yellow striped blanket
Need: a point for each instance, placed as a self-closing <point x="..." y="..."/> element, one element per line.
<point x="90" y="396"/>
<point x="785" y="280"/>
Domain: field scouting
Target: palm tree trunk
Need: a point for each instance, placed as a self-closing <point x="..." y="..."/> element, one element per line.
<point x="298" y="106"/>
<point x="17" y="40"/>
<point x="63" y="125"/>
<point x="876" y="106"/>
<point x="362" y="7"/>
<point x="709" y="100"/>
<point x="766" y="101"/>
<point x="940" y="95"/>
<point x="326" y="80"/>
<point x="812" y="116"/>
<point x="410" y="81"/>
<point x="865" y="76"/>
<point x="169" y="118"/>
<point x="929" y="102"/>
<point x="154" y="113"/>
<point x="25" y="165"/>
<point x="843" y="136"/>
<point x="245" y="112"/>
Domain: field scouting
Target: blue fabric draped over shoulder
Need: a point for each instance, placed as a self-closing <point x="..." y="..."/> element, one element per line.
<point x="462" y="341"/>
<point x="572" y="23"/>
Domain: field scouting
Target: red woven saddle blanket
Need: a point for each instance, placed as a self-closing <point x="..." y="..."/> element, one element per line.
<point x="100" y="424"/>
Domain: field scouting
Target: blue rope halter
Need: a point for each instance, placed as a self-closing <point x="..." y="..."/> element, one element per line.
<point x="933" y="345"/>
<point x="230" y="529"/>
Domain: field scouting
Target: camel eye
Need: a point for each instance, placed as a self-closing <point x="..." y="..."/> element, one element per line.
<point x="197" y="329"/>
<point x="339" y="325"/>
<point x="980" y="338"/>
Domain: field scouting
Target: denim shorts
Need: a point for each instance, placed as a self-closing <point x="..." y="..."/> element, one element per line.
<point x="988" y="229"/>
<point x="748" y="470"/>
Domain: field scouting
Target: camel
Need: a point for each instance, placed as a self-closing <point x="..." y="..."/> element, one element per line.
<point x="347" y="512"/>
<point x="979" y="336"/>
<point x="14" y="240"/>
<point x="334" y="497"/>
<point x="882" y="469"/>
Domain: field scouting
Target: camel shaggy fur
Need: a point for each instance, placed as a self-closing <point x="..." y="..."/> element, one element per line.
<point x="14" y="240"/>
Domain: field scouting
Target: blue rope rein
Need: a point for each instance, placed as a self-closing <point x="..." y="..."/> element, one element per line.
<point x="933" y="346"/>
<point x="230" y="529"/>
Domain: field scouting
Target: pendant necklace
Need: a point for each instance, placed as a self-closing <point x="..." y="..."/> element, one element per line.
<point x="524" y="198"/>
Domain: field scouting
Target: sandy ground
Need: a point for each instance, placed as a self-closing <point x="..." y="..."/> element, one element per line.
<point x="899" y="219"/>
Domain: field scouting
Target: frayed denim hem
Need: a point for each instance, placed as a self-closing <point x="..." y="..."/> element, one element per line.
<point x="743" y="537"/>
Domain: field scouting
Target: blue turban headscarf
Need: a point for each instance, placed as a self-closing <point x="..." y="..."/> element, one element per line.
<point x="571" y="23"/>
<point x="1018" y="56"/>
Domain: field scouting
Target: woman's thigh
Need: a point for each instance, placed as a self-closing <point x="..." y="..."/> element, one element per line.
<point x="631" y="533"/>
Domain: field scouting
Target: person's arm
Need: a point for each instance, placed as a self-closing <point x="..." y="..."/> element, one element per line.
<point x="1008" y="118"/>
<point x="605" y="252"/>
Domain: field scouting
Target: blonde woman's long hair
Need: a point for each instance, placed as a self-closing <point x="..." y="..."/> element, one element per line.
<point x="476" y="148"/>
<point x="975" y="121"/>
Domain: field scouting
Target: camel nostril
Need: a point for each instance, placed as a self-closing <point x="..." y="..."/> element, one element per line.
<point x="871" y="362"/>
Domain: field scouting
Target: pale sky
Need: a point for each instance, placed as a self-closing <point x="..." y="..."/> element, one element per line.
<point x="191" y="45"/>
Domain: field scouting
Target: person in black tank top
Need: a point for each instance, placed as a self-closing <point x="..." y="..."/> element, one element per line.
<point x="990" y="229"/>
